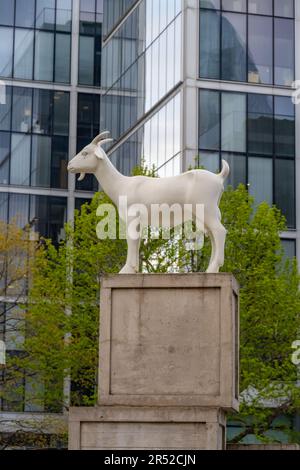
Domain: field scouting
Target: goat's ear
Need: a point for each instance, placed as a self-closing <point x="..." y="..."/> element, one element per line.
<point x="99" y="153"/>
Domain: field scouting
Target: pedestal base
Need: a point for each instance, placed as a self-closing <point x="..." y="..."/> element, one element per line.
<point x="147" y="428"/>
<point x="168" y="367"/>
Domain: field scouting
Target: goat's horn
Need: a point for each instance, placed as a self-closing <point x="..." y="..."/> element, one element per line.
<point x="81" y="177"/>
<point x="100" y="137"/>
<point x="105" y="141"/>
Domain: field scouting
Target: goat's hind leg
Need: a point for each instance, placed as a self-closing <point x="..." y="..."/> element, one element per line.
<point x="217" y="233"/>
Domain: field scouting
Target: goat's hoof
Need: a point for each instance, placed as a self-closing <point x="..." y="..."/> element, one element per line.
<point x="213" y="270"/>
<point x="128" y="270"/>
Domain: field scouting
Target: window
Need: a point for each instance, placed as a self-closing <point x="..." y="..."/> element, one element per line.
<point x="22" y="109"/>
<point x="88" y="126"/>
<point x="261" y="179"/>
<point x="45" y="14"/>
<point x="64" y="15"/>
<point x="233" y="47"/>
<point x="6" y="47"/>
<point x="260" y="124"/>
<point x="210" y="161"/>
<point x="62" y="58"/>
<point x="61" y="113"/>
<point x="39" y="26"/>
<point x="289" y="247"/>
<point x="257" y="45"/>
<point x="25" y="13"/>
<point x="36" y="149"/>
<point x="43" y="65"/>
<point x="284" y="127"/>
<point x="284" y="51"/>
<point x="90" y="43"/>
<point x="263" y="156"/>
<point x="260" y="7"/>
<point x="42" y="112"/>
<point x="260" y="63"/>
<point x="237" y="165"/>
<point x="284" y="8"/>
<point x="41" y="161"/>
<point x="234" y="122"/>
<point x="285" y="189"/>
<point x="7" y="10"/>
<point x="210" y="44"/>
<point x="20" y="160"/>
<point x="4" y="157"/>
<point x="209" y="134"/>
<point x="5" y="110"/>
<point x="234" y="5"/>
<point x="213" y="4"/>
<point x="23" y="57"/>
<point x="86" y="60"/>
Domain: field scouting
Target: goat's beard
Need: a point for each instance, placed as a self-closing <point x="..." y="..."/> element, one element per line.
<point x="81" y="177"/>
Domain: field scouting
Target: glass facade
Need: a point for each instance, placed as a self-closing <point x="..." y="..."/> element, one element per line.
<point x="34" y="138"/>
<point x="90" y="42"/>
<point x="231" y="36"/>
<point x="29" y="28"/>
<point x="256" y="134"/>
<point x="141" y="63"/>
<point x="156" y="143"/>
<point x="38" y="135"/>
<point x="113" y="12"/>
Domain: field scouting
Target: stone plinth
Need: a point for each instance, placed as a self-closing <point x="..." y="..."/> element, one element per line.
<point x="169" y="340"/>
<point x="147" y="428"/>
<point x="168" y="363"/>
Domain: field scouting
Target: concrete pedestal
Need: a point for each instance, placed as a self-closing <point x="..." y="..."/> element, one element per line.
<point x="168" y="364"/>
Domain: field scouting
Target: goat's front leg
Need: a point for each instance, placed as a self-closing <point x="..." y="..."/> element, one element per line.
<point x="133" y="254"/>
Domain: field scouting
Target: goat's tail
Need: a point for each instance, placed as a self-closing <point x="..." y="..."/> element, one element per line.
<point x="225" y="170"/>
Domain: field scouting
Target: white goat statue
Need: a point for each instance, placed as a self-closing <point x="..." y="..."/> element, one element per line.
<point x="191" y="188"/>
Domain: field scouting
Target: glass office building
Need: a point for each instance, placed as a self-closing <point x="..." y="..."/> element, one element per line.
<point x="50" y="73"/>
<point x="206" y="80"/>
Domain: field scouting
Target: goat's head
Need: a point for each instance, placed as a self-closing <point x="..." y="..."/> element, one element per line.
<point x="87" y="161"/>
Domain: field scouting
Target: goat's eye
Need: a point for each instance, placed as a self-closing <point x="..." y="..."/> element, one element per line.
<point x="84" y="154"/>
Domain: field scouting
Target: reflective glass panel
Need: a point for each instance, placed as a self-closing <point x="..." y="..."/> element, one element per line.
<point x="6" y="49"/>
<point x="285" y="189"/>
<point x="42" y="112"/>
<point x="43" y="66"/>
<point x="41" y="161"/>
<point x="5" y="108"/>
<point x="4" y="157"/>
<point x="261" y="7"/>
<point x="209" y="131"/>
<point x="260" y="124"/>
<point x="235" y="5"/>
<point x="61" y="113"/>
<point x="64" y="15"/>
<point x="23" y="58"/>
<point x="7" y="12"/>
<point x="209" y="44"/>
<point x="234" y="47"/>
<point x="284" y="51"/>
<point x="45" y="14"/>
<point x="86" y="60"/>
<point x="62" y="58"/>
<point x="260" y="62"/>
<point x="22" y="109"/>
<point x="214" y="4"/>
<point x="20" y="159"/>
<point x="284" y="8"/>
<point x="234" y="122"/>
<point x="25" y="13"/>
<point x="261" y="179"/>
<point x="237" y="165"/>
<point x="284" y="126"/>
